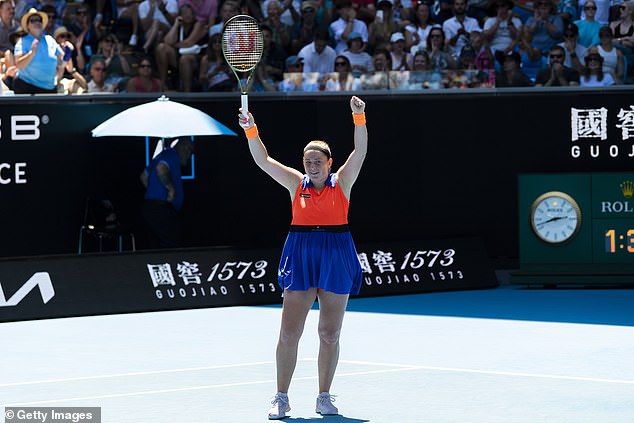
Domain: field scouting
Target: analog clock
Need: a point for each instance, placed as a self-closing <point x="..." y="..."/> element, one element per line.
<point x="555" y="217"/>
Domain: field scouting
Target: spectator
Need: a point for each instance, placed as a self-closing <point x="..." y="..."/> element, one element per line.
<point x="347" y="23"/>
<point x="439" y="55"/>
<point x="289" y="11"/>
<point x="602" y="14"/>
<point x="567" y="10"/>
<point x="378" y="79"/>
<point x="545" y="28"/>
<point x="87" y="36"/>
<point x="531" y="57"/>
<point x="593" y="74"/>
<point x="156" y="17"/>
<point x="383" y="27"/>
<point x="612" y="58"/>
<point x="117" y="66"/>
<point x="70" y="81"/>
<point x="294" y="75"/>
<point x="164" y="195"/>
<point x="281" y="32"/>
<point x="186" y="32"/>
<point x="303" y="32"/>
<point x="401" y="59"/>
<point x="203" y="10"/>
<point x="360" y="61"/>
<point x="228" y="10"/>
<point x="365" y="10"/>
<point x="144" y="82"/>
<point x="511" y="74"/>
<point x="99" y="74"/>
<point x="420" y="76"/>
<point x="318" y="56"/>
<point x="575" y="52"/>
<point x="52" y="25"/>
<point x="623" y="29"/>
<point x="588" y="27"/>
<point x="215" y="74"/>
<point x="557" y="74"/>
<point x="342" y="79"/>
<point x="416" y="33"/>
<point x="501" y="30"/>
<point x="459" y="28"/>
<point x="36" y="56"/>
<point x="271" y="66"/>
<point x="129" y="9"/>
<point x="8" y="24"/>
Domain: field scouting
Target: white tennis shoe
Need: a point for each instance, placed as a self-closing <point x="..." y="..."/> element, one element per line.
<point x="324" y="405"/>
<point x="280" y="406"/>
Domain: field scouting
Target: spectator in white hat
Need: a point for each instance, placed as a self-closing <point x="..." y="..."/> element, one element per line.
<point x="401" y="59"/>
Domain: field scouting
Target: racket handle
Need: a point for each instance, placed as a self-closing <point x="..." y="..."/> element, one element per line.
<point x="245" y="105"/>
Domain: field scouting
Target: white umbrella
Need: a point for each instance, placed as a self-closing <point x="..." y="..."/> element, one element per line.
<point x="163" y="119"/>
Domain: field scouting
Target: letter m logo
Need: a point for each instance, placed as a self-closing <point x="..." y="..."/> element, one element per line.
<point x="40" y="279"/>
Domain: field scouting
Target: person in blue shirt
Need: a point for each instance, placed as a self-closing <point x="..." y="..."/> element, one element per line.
<point x="164" y="195"/>
<point x="37" y="56"/>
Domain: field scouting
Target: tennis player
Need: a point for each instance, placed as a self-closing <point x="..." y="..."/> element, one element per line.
<point x="319" y="260"/>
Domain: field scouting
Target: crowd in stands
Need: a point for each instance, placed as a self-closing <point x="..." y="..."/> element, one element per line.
<point x="99" y="46"/>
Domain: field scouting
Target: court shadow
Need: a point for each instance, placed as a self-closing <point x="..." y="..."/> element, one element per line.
<point x="325" y="419"/>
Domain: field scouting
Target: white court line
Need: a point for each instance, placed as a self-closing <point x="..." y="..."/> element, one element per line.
<point x="152" y="372"/>
<point x="399" y="368"/>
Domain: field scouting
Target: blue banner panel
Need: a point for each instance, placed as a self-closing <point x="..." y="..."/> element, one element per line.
<point x="65" y="286"/>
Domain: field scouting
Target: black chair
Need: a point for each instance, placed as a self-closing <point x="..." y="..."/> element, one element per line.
<point x="101" y="222"/>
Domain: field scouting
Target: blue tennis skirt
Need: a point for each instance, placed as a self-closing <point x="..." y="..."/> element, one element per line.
<point x="320" y="259"/>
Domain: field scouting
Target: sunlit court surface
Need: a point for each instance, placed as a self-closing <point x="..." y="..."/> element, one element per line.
<point x="508" y="354"/>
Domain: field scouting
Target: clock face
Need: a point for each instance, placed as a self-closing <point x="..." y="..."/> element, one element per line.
<point x="555" y="217"/>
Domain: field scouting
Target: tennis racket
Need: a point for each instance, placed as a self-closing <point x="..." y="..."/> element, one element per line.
<point x="242" y="46"/>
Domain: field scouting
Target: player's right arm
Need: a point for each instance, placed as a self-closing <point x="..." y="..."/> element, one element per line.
<point x="286" y="176"/>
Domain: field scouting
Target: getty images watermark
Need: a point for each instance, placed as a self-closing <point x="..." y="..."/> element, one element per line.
<point x="52" y="414"/>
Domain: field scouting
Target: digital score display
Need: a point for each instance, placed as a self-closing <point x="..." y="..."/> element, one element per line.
<point x="613" y="240"/>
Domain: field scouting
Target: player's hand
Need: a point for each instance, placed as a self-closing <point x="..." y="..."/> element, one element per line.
<point x="244" y="122"/>
<point x="357" y="105"/>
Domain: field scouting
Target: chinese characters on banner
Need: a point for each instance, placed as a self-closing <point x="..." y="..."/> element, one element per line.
<point x="593" y="125"/>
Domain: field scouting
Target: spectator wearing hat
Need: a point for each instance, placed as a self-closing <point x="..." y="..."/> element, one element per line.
<point x="545" y="27"/>
<point x="294" y="75"/>
<point x="575" y="52"/>
<point x="556" y="74"/>
<point x="303" y="31"/>
<point x="318" y="56"/>
<point x="588" y="26"/>
<point x="70" y="80"/>
<point x="458" y="29"/>
<point x="511" y="74"/>
<point x="8" y="24"/>
<point x="360" y="61"/>
<point x="593" y="74"/>
<point x="502" y="29"/>
<point x="383" y="26"/>
<point x="347" y="23"/>
<point x="401" y="59"/>
<point x="36" y="56"/>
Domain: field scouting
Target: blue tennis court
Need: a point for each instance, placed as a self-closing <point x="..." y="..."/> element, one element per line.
<point x="500" y="355"/>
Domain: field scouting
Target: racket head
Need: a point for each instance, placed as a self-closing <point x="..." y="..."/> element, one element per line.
<point x="242" y="43"/>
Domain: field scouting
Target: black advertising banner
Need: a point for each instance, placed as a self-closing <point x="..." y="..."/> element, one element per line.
<point x="67" y="286"/>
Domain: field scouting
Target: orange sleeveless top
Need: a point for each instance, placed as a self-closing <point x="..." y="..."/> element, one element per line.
<point x="329" y="207"/>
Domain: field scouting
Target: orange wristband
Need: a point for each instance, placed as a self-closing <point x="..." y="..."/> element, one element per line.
<point x="252" y="132"/>
<point x="358" y="118"/>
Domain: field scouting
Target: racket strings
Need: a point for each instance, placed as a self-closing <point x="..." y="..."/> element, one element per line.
<point x="242" y="43"/>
